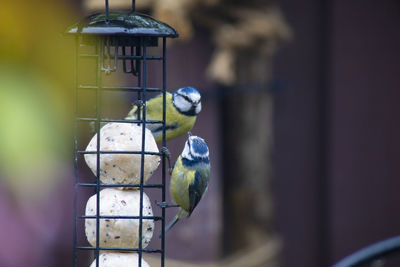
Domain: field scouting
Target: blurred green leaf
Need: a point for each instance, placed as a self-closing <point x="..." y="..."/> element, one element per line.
<point x="34" y="132"/>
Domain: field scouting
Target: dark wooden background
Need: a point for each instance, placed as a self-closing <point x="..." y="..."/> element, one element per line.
<point x="336" y="129"/>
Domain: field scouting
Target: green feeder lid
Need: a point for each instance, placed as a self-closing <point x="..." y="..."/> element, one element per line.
<point x="122" y="24"/>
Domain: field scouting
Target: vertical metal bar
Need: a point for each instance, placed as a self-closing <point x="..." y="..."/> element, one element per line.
<point x="133" y="5"/>
<point x="107" y="12"/>
<point x="132" y="66"/>
<point x="100" y="44"/>
<point x="74" y="260"/>
<point x="142" y="156"/>
<point x="124" y="60"/>
<point x="108" y="47"/>
<point x="139" y="68"/>
<point x="164" y="93"/>
<point x="116" y="51"/>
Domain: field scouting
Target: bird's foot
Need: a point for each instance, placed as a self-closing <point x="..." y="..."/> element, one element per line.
<point x="166" y="152"/>
<point x="166" y="205"/>
<point x="138" y="103"/>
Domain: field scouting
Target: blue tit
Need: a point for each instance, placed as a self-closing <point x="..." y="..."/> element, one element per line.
<point x="182" y="108"/>
<point x="189" y="178"/>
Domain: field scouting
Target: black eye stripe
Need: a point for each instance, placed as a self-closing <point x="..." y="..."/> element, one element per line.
<point x="187" y="98"/>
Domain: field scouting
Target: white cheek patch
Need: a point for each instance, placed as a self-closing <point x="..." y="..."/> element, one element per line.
<point x="198" y="108"/>
<point x="186" y="152"/>
<point x="182" y="104"/>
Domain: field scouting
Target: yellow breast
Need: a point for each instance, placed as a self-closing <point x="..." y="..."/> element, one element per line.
<point x="179" y="186"/>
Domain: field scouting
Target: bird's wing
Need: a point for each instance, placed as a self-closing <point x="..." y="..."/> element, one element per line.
<point x="153" y="108"/>
<point x="197" y="187"/>
<point x="132" y="115"/>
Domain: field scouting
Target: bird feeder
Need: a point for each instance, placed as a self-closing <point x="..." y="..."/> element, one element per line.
<point x="119" y="42"/>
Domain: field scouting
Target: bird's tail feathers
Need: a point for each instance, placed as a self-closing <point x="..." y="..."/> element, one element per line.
<point x="181" y="213"/>
<point x="171" y="223"/>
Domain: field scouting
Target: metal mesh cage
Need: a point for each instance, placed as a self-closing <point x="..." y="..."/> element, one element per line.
<point x="119" y="42"/>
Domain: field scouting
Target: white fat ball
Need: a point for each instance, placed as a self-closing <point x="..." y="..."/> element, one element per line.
<point x="122" y="233"/>
<point x="123" y="168"/>
<point x="114" y="259"/>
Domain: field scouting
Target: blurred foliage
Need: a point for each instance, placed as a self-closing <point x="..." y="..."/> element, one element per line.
<point x="35" y="94"/>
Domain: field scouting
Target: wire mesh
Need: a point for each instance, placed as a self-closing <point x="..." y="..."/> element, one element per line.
<point x="137" y="58"/>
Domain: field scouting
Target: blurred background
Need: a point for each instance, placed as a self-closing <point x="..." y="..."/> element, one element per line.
<point x="300" y="111"/>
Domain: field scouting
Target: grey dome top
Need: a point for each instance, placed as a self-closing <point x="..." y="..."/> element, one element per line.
<point x="122" y="24"/>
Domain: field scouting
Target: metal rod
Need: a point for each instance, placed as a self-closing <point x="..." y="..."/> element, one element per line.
<point x="142" y="158"/>
<point x="124" y="61"/>
<point x="98" y="110"/>
<point x="139" y="74"/>
<point x="126" y="57"/>
<point x="156" y="218"/>
<point x="134" y="70"/>
<point x="133" y="5"/>
<point x="121" y="249"/>
<point x="120" y="185"/>
<point x="120" y="121"/>
<point x="119" y="152"/>
<point x="140" y="57"/>
<point x="108" y="49"/>
<point x="119" y="88"/>
<point x="116" y="47"/>
<point x="107" y="16"/>
<point x="74" y="259"/>
<point x="107" y="58"/>
<point x="164" y="92"/>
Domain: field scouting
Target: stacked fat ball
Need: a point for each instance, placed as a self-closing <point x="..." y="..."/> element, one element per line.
<point x="124" y="168"/>
<point x="112" y="259"/>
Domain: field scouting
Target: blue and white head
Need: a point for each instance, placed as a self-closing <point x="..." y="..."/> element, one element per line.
<point x="187" y="101"/>
<point x="195" y="151"/>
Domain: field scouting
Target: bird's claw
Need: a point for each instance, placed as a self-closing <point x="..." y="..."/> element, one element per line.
<point x="166" y="152"/>
<point x="138" y="103"/>
<point x="166" y="205"/>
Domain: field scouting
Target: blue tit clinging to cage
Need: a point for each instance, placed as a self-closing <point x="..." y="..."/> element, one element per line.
<point x="189" y="178"/>
<point x="182" y="108"/>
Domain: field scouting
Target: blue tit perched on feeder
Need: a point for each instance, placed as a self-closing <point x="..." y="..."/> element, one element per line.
<point x="189" y="178"/>
<point x="182" y="108"/>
